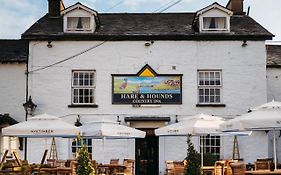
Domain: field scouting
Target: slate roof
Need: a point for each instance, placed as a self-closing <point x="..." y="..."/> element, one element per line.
<point x="6" y="119"/>
<point x="273" y="55"/>
<point x="147" y="26"/>
<point x="13" y="51"/>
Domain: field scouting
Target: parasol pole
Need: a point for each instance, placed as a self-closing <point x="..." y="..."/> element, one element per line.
<point x="274" y="149"/>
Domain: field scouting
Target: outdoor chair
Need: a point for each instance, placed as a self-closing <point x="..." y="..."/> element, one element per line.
<point x="219" y="168"/>
<point x="169" y="167"/>
<point x="238" y="168"/>
<point x="262" y="164"/>
<point x="114" y="161"/>
<point x="179" y="167"/>
<point x="129" y="164"/>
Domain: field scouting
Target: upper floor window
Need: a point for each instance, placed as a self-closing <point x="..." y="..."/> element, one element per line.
<point x="214" y="23"/>
<point x="209" y="87"/>
<point x="83" y="87"/>
<point x="78" y="24"/>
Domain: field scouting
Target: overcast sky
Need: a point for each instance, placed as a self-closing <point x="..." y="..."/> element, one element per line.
<point x="17" y="15"/>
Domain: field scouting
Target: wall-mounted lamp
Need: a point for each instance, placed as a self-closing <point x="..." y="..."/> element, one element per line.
<point x="29" y="106"/>
<point x="176" y="119"/>
<point x="118" y="119"/>
<point x="244" y="44"/>
<point x="148" y="43"/>
<point x="78" y="122"/>
<point x="49" y="45"/>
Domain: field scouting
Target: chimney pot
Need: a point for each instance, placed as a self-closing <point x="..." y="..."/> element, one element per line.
<point x="236" y="6"/>
<point x="55" y="8"/>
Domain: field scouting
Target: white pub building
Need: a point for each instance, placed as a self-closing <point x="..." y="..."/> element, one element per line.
<point x="147" y="70"/>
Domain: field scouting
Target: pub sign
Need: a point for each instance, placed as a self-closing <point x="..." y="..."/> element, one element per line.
<point x="146" y="87"/>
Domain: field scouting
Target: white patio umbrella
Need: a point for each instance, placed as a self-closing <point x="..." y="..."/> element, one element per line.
<point x="260" y="119"/>
<point x="110" y="130"/>
<point x="270" y="105"/>
<point x="200" y="124"/>
<point x="43" y="125"/>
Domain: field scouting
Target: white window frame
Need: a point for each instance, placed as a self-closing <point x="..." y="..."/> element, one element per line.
<point x="76" y="146"/>
<point x="211" y="144"/>
<point x="78" y="29"/>
<point x="84" y="87"/>
<point x="207" y="88"/>
<point x="215" y="29"/>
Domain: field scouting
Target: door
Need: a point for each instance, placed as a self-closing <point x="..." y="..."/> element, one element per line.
<point x="147" y="154"/>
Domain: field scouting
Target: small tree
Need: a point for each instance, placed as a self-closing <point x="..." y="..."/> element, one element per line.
<point x="84" y="166"/>
<point x="193" y="159"/>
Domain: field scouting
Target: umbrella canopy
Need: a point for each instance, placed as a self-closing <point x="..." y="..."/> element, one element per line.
<point x="110" y="129"/>
<point x="263" y="118"/>
<point x="270" y="105"/>
<point x="42" y="126"/>
<point x="200" y="124"/>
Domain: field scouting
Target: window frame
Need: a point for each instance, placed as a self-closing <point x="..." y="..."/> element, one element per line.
<point x="89" y="87"/>
<point x="77" y="147"/>
<point x="215" y="29"/>
<point x="78" y="29"/>
<point x="210" y="87"/>
<point x="212" y="148"/>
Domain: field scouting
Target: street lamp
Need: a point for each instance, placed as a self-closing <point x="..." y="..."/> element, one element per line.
<point x="29" y="107"/>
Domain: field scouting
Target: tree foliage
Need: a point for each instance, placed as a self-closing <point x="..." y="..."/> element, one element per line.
<point x="193" y="159"/>
<point x="84" y="166"/>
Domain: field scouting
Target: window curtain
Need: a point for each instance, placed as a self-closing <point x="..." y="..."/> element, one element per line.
<point x="72" y="22"/>
<point x="206" y="23"/>
<point x="220" y="23"/>
<point x="85" y="23"/>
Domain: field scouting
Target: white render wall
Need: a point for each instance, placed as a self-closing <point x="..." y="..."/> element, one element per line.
<point x="12" y="88"/>
<point x="243" y="77"/>
<point x="273" y="76"/>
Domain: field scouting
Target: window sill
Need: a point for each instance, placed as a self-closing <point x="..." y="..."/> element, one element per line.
<point x="83" y="106"/>
<point x="210" y="105"/>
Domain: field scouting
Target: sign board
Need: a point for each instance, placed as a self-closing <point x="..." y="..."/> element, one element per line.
<point x="147" y="87"/>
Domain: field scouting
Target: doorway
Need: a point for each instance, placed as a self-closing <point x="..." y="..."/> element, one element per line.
<point x="147" y="154"/>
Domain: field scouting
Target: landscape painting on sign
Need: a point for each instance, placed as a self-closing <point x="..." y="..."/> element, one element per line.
<point x="147" y="90"/>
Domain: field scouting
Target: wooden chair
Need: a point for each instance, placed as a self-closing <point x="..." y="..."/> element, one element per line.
<point x="169" y="167"/>
<point x="238" y="168"/>
<point x="114" y="161"/>
<point x="73" y="167"/>
<point x="219" y="168"/>
<point x="130" y="168"/>
<point x="179" y="167"/>
<point x="261" y="164"/>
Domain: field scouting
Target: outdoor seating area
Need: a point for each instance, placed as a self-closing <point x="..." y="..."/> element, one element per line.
<point x="175" y="167"/>
<point x="15" y="166"/>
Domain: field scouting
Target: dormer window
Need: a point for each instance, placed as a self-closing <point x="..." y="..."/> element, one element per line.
<point x="214" y="23"/>
<point x="214" y="18"/>
<point x="79" y="19"/>
<point x="78" y="24"/>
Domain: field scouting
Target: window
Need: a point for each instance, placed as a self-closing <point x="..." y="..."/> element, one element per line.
<point x="214" y="23"/>
<point x="211" y="144"/>
<point x="83" y="87"/>
<point x="78" y="24"/>
<point x="209" y="87"/>
<point x="76" y="145"/>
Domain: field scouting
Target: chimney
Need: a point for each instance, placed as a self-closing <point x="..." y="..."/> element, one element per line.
<point x="236" y="6"/>
<point x="55" y="7"/>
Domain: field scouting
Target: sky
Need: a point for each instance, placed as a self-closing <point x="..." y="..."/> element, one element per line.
<point x="16" y="16"/>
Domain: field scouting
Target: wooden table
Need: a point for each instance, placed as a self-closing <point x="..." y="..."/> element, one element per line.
<point x="110" y="168"/>
<point x="263" y="172"/>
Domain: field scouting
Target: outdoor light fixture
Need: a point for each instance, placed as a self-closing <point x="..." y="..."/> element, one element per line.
<point x="78" y="122"/>
<point x="244" y="43"/>
<point x="49" y="45"/>
<point x="118" y="119"/>
<point x="29" y="106"/>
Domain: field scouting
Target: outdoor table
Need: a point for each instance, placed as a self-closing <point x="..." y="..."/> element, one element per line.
<point x="108" y="169"/>
<point x="263" y="172"/>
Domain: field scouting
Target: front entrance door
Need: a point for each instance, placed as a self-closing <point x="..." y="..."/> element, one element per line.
<point x="147" y="154"/>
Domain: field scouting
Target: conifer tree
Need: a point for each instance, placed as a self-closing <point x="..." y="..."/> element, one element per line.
<point x="84" y="166"/>
<point x="193" y="159"/>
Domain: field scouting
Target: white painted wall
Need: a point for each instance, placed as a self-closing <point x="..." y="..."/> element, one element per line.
<point x="243" y="77"/>
<point x="273" y="76"/>
<point x="12" y="93"/>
